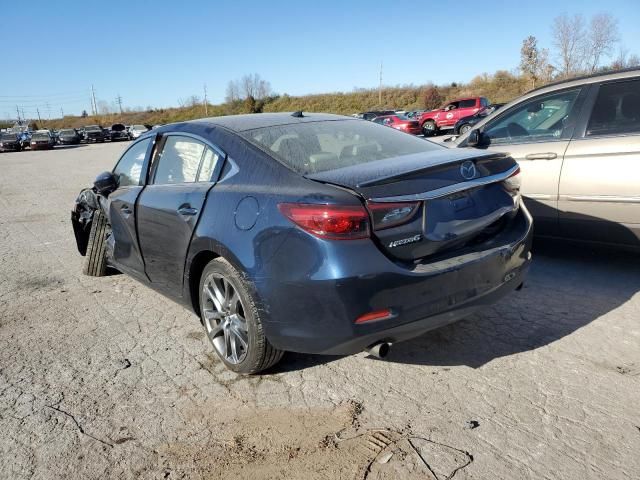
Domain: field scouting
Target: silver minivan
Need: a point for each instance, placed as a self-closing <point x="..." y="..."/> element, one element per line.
<point x="578" y="146"/>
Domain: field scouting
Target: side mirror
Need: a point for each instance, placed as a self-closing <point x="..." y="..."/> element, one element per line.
<point x="105" y="183"/>
<point x="474" y="138"/>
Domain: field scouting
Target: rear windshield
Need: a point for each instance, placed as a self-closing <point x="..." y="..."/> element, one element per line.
<point x="93" y="128"/>
<point x="67" y="132"/>
<point x="139" y="127"/>
<point x="41" y="136"/>
<point x="320" y="146"/>
<point x="8" y="136"/>
<point x="118" y="127"/>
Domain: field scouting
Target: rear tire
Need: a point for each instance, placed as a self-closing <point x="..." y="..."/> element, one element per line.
<point x="232" y="321"/>
<point x="429" y="128"/>
<point x="95" y="262"/>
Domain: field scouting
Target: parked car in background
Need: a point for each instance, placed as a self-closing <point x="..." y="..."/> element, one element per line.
<point x="312" y="233"/>
<point x="93" y="133"/>
<point x="119" y="132"/>
<point x="69" y="136"/>
<point x="578" y="145"/>
<point x="374" y="113"/>
<point x="25" y="139"/>
<point x="42" y="140"/>
<point x="399" y="122"/>
<point x="107" y="133"/>
<point x="10" y="142"/>
<point x="466" y="123"/>
<point x="446" y="117"/>
<point x="136" y="130"/>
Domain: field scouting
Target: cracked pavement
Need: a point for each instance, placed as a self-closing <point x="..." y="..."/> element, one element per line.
<point x="104" y="378"/>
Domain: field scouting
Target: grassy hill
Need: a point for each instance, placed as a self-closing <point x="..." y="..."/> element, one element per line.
<point x="499" y="87"/>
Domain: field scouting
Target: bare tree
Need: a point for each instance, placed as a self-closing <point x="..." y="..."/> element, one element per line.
<point x="254" y="86"/>
<point x="233" y="91"/>
<point x="601" y="40"/>
<point x="530" y="58"/>
<point x="624" y="60"/>
<point x="569" y="37"/>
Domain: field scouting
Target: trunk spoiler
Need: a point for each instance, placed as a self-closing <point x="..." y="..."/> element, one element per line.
<point x="451" y="189"/>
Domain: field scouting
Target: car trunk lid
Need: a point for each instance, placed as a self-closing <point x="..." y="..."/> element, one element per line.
<point x="431" y="202"/>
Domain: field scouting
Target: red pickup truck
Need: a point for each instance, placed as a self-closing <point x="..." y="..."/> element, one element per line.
<point x="447" y="116"/>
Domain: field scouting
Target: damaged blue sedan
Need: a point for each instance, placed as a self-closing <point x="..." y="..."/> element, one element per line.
<point x="308" y="232"/>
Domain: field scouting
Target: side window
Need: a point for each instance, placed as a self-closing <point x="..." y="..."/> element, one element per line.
<point x="617" y="109"/>
<point x="484" y="102"/>
<point x="470" y="103"/>
<point x="541" y="119"/>
<point x="129" y="168"/>
<point x="179" y="161"/>
<point x="209" y="163"/>
<point x="379" y="120"/>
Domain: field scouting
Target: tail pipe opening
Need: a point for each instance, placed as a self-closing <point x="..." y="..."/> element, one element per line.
<point x="379" y="350"/>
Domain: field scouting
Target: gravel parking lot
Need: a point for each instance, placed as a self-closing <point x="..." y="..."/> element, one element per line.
<point x="104" y="378"/>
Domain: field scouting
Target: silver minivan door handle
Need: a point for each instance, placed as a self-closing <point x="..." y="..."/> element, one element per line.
<point x="541" y="156"/>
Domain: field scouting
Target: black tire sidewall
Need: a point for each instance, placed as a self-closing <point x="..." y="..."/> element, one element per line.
<point x="428" y="132"/>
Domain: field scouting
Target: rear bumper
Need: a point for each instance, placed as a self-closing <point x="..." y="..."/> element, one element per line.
<point x="316" y="315"/>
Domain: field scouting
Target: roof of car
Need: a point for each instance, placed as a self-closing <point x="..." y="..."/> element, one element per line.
<point x="241" y="123"/>
<point x="623" y="73"/>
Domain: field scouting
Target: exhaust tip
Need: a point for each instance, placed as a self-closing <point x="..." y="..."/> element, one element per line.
<point x="379" y="350"/>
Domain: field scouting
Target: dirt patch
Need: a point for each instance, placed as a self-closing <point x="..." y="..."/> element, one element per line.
<point x="306" y="444"/>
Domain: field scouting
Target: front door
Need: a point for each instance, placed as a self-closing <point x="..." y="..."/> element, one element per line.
<point x="600" y="183"/>
<point x="170" y="205"/>
<point x="121" y="209"/>
<point x="536" y="134"/>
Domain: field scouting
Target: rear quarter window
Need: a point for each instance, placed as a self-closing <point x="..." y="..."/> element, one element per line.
<point x="616" y="110"/>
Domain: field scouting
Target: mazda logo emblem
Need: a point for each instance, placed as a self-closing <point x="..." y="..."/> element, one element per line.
<point x="468" y="170"/>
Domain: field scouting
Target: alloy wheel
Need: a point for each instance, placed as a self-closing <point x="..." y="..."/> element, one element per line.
<point x="224" y="320"/>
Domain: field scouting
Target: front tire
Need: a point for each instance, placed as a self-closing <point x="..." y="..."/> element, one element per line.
<point x="232" y="321"/>
<point x="429" y="128"/>
<point x="464" y="128"/>
<point x="95" y="261"/>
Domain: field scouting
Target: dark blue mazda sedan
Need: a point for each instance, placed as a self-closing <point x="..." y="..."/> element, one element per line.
<point x="308" y="232"/>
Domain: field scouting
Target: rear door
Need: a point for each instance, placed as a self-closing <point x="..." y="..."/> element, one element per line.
<point x="182" y="173"/>
<point x="599" y="196"/>
<point x="536" y="134"/>
<point x="120" y="207"/>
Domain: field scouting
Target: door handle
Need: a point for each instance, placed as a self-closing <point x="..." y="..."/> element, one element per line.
<point x="188" y="211"/>
<point x="541" y="156"/>
<point x="126" y="210"/>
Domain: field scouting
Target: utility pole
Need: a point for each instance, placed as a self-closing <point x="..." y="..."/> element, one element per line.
<point x="119" y="100"/>
<point x="61" y="113"/>
<point x="18" y="112"/>
<point x="39" y="119"/>
<point x="206" y="108"/>
<point x="48" y="111"/>
<point x="380" y="87"/>
<point x="94" y="105"/>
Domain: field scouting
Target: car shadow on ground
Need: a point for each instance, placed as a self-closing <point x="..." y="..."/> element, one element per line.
<point x="568" y="287"/>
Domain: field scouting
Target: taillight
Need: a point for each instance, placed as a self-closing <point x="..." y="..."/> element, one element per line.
<point x="335" y="222"/>
<point x="513" y="182"/>
<point x="387" y="215"/>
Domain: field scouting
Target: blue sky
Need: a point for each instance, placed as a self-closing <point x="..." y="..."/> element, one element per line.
<point x="154" y="53"/>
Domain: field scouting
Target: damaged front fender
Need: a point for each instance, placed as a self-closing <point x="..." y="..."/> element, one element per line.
<point x="81" y="217"/>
